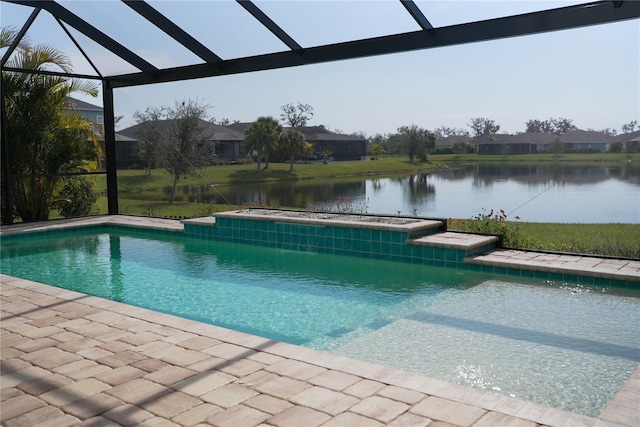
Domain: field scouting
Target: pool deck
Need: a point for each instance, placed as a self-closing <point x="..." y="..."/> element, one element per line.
<point x="72" y="359"/>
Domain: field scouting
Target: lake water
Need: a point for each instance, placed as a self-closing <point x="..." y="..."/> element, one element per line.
<point x="551" y="192"/>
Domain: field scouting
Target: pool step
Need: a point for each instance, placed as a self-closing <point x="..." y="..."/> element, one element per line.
<point x="472" y="243"/>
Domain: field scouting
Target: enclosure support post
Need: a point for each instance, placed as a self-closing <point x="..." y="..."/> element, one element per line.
<point x="7" y="214"/>
<point x="110" y="148"/>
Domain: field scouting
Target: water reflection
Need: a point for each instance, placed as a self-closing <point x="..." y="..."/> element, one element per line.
<point x="531" y="190"/>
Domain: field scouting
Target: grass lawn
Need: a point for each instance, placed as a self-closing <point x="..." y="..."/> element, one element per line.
<point x="617" y="240"/>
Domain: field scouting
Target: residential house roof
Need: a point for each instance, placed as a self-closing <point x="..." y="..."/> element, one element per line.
<point x="211" y="131"/>
<point x="77" y="104"/>
<point x="311" y="133"/>
<point x="453" y="139"/>
<point x="628" y="137"/>
<point x="535" y="138"/>
<point x="319" y="133"/>
<point x="585" y="137"/>
<point x="573" y="137"/>
<point x="499" y="138"/>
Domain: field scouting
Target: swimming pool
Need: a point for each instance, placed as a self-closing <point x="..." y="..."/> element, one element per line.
<point x="561" y="345"/>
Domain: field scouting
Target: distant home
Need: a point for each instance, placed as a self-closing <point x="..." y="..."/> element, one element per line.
<point x="342" y="147"/>
<point x="577" y="141"/>
<point x="524" y="143"/>
<point x="91" y="112"/>
<point x="227" y="142"/>
<point x="95" y="115"/>
<point x="630" y="141"/>
<point x="128" y="152"/>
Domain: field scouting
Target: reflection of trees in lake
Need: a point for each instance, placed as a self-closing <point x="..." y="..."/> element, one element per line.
<point x="286" y="194"/>
<point x="376" y="185"/>
<point x="418" y="191"/>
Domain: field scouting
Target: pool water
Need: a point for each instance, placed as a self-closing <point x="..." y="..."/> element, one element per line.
<point x="561" y="345"/>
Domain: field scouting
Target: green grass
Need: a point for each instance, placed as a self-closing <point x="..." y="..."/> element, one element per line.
<point x="616" y="240"/>
<point x="136" y="180"/>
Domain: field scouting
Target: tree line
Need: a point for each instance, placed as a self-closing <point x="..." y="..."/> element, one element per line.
<point x="397" y="143"/>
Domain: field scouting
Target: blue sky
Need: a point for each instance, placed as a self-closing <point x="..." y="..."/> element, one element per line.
<point x="590" y="75"/>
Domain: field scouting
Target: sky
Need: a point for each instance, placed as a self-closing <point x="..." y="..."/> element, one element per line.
<point x="590" y="75"/>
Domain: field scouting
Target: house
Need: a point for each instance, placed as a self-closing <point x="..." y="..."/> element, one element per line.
<point x="218" y="139"/>
<point x="536" y="142"/>
<point x="503" y="144"/>
<point x="93" y="113"/>
<point x="586" y="141"/>
<point x="630" y="141"/>
<point x="449" y="142"/>
<point x="342" y="147"/>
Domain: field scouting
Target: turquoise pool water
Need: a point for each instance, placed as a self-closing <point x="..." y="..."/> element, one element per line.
<point x="561" y="345"/>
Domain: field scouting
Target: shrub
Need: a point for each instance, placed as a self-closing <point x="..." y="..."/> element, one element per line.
<point x="494" y="223"/>
<point x="76" y="197"/>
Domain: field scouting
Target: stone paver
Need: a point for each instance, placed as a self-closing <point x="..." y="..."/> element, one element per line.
<point x="242" y="386"/>
<point x="69" y="359"/>
<point x="325" y="400"/>
<point x="380" y="408"/>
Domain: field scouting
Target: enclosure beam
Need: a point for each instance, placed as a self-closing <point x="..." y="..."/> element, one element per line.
<point x="172" y="30"/>
<point x="269" y="24"/>
<point x="596" y="13"/>
<point x="417" y="14"/>
<point x="110" y="148"/>
<point x="90" y="31"/>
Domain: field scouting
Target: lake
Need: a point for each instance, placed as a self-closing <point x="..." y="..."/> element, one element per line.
<point x="549" y="192"/>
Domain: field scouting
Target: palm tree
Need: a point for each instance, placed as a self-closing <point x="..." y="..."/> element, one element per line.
<point x="293" y="142"/>
<point x="44" y="138"/>
<point x="376" y="150"/>
<point x="262" y="137"/>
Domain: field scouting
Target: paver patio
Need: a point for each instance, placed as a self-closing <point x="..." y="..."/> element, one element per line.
<point x="73" y="359"/>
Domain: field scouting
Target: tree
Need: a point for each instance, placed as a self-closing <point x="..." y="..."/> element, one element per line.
<point x="184" y="148"/>
<point x="377" y="150"/>
<point x="416" y="141"/>
<point x="557" y="146"/>
<point x="149" y="135"/>
<point x="444" y="132"/>
<point x="562" y="125"/>
<point x="393" y="144"/>
<point x="615" y="147"/>
<point x="629" y="127"/>
<point x="553" y="126"/>
<point x="308" y="150"/>
<point x="293" y="142"/>
<point x="262" y="136"/>
<point x="296" y="115"/>
<point x="45" y="139"/>
<point x="539" y="126"/>
<point x="606" y="131"/>
<point x="483" y="126"/>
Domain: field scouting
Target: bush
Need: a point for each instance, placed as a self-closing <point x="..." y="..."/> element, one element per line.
<point x="494" y="223"/>
<point x="76" y="198"/>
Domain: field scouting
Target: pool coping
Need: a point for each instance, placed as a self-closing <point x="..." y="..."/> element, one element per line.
<point x="493" y="409"/>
